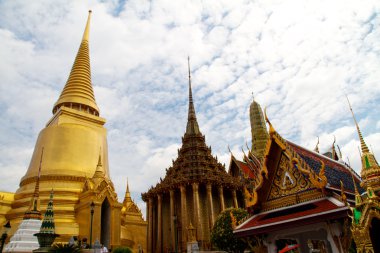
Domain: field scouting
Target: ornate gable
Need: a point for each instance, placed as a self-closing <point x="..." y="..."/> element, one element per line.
<point x="287" y="179"/>
<point x="133" y="208"/>
<point x="284" y="178"/>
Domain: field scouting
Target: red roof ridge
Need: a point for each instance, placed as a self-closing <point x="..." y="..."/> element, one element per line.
<point x="282" y="208"/>
<point x="323" y="206"/>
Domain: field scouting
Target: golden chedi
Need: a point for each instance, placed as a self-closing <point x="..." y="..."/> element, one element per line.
<point x="74" y="143"/>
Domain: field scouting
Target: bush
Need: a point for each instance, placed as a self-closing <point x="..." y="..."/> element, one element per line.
<point x="222" y="236"/>
<point x="122" y="250"/>
<point x="64" y="248"/>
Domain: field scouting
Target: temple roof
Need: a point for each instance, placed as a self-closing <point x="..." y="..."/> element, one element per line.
<point x="195" y="162"/>
<point x="335" y="171"/>
<point x="304" y="213"/>
<point x="78" y="89"/>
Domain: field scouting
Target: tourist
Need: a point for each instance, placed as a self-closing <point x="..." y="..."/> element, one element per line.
<point x="103" y="249"/>
<point x="84" y="244"/>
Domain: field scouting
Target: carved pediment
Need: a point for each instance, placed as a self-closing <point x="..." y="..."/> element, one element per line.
<point x="287" y="180"/>
<point x="133" y="209"/>
<point x="88" y="185"/>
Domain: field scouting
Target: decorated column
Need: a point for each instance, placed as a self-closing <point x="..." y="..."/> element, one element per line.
<point x="172" y="217"/>
<point x="159" y="223"/>
<point x="197" y="213"/>
<point x="150" y="225"/>
<point x="183" y="216"/>
<point x="221" y="198"/>
<point x="234" y="198"/>
<point x="211" y="206"/>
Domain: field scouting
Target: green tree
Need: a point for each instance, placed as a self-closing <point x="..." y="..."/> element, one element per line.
<point x="122" y="250"/>
<point x="222" y="236"/>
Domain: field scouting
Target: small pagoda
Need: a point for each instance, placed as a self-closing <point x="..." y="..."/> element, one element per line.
<point x="23" y="240"/>
<point x="47" y="235"/>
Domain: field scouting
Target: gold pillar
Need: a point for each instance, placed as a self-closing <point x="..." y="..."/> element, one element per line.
<point x="150" y="225"/>
<point x="234" y="198"/>
<point x="183" y="217"/>
<point x="211" y="206"/>
<point x="172" y="228"/>
<point x="159" y="224"/>
<point x="197" y="212"/>
<point x="221" y="198"/>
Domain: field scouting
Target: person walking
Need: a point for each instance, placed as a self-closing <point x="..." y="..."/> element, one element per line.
<point x="103" y="249"/>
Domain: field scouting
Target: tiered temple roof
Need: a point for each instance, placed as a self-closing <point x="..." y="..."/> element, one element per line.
<point x="335" y="171"/>
<point x="195" y="162"/>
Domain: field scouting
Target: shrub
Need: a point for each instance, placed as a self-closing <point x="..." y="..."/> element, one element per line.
<point x="222" y="236"/>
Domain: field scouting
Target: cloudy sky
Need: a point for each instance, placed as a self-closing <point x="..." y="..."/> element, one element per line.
<point x="298" y="57"/>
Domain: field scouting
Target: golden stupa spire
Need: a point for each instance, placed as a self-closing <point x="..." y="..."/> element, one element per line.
<point x="363" y="146"/>
<point x="127" y="197"/>
<point x="78" y="92"/>
<point x="370" y="172"/>
<point x="259" y="132"/>
<point x="99" y="172"/>
<point x="34" y="207"/>
<point x="192" y="124"/>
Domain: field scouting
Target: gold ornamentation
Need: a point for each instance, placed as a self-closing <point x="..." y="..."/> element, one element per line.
<point x="287" y="180"/>
<point x="343" y="195"/>
<point x="319" y="180"/>
<point x="233" y="220"/>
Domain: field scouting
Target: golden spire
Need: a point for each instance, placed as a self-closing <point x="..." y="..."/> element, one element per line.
<point x="259" y="132"/>
<point x="127" y="197"/>
<point x="370" y="172"/>
<point x="362" y="143"/>
<point x="340" y="153"/>
<point x="99" y="172"/>
<point x="34" y="208"/>
<point x="78" y="92"/>
<point x="192" y="124"/>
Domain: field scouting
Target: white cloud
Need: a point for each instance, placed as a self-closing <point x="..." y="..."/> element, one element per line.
<point x="297" y="57"/>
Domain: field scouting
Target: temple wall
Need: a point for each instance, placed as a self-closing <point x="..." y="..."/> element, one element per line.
<point x="6" y="199"/>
